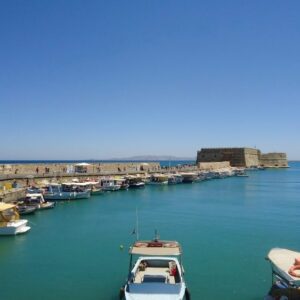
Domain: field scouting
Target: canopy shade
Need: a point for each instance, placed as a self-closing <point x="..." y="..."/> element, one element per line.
<point x="5" y="206"/>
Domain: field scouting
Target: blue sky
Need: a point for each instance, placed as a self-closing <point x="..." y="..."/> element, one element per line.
<point x="102" y="79"/>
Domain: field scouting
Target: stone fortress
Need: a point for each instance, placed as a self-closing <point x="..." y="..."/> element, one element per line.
<point x="242" y="157"/>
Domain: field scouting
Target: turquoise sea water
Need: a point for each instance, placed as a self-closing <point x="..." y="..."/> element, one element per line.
<point x="226" y="228"/>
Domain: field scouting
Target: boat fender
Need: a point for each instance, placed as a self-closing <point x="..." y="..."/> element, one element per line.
<point x="292" y="270"/>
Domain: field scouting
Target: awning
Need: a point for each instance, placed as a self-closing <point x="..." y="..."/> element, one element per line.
<point x="6" y="206"/>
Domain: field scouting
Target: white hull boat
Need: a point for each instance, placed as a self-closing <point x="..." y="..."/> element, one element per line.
<point x="37" y="201"/>
<point x="67" y="191"/>
<point x="158" y="179"/>
<point x="175" y="179"/>
<point x="109" y="185"/>
<point x="157" y="273"/>
<point x="10" y="224"/>
<point x="16" y="227"/>
<point x="285" y="265"/>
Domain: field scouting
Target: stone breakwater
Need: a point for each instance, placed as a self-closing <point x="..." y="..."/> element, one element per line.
<point x="14" y="178"/>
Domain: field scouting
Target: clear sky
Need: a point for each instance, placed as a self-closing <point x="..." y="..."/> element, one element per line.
<point x="102" y="79"/>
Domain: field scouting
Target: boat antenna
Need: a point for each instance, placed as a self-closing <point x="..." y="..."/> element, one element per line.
<point x="156" y="238"/>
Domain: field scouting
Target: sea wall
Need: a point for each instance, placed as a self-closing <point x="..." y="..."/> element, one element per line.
<point x="210" y="166"/>
<point x="61" y="169"/>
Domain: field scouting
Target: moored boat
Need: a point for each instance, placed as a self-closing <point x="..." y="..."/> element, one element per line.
<point x="94" y="186"/>
<point x="135" y="182"/>
<point x="25" y="209"/>
<point x="108" y="184"/>
<point x="157" y="274"/>
<point x="158" y="179"/>
<point x="10" y="222"/>
<point x="189" y="177"/>
<point x="37" y="201"/>
<point x="175" y="178"/>
<point x="285" y="265"/>
<point x="66" y="191"/>
<point x="122" y="182"/>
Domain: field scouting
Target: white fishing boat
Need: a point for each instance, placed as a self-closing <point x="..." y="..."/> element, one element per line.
<point x="122" y="182"/>
<point x="175" y="178"/>
<point x="285" y="274"/>
<point x="157" y="274"/>
<point x="10" y="222"/>
<point x="37" y="200"/>
<point x="66" y="191"/>
<point x="94" y="186"/>
<point x="158" y="179"/>
<point x="135" y="182"/>
<point x="109" y="184"/>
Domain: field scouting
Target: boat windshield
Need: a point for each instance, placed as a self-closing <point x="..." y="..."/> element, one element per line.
<point x="154" y="288"/>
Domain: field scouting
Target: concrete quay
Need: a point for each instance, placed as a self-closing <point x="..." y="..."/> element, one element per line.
<point x="24" y="175"/>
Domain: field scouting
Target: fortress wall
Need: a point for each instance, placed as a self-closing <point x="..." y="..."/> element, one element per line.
<point x="209" y="166"/>
<point x="274" y="160"/>
<point x="238" y="157"/>
<point x="252" y="157"/>
<point x="242" y="157"/>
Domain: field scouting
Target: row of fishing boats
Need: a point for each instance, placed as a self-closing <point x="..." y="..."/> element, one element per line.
<point x="45" y="195"/>
<point x="84" y="189"/>
<point x="10" y="222"/>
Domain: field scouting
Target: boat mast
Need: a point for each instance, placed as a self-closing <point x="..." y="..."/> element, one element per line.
<point x="137" y="225"/>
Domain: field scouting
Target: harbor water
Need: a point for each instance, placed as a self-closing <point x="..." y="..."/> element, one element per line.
<point x="226" y="226"/>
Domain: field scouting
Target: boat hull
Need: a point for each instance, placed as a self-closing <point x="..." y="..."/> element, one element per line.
<point x="67" y="195"/>
<point x="26" y="210"/>
<point x="14" y="228"/>
<point x="138" y="185"/>
<point x="158" y="183"/>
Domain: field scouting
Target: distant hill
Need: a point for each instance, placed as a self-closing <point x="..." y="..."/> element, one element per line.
<point x="154" y="158"/>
